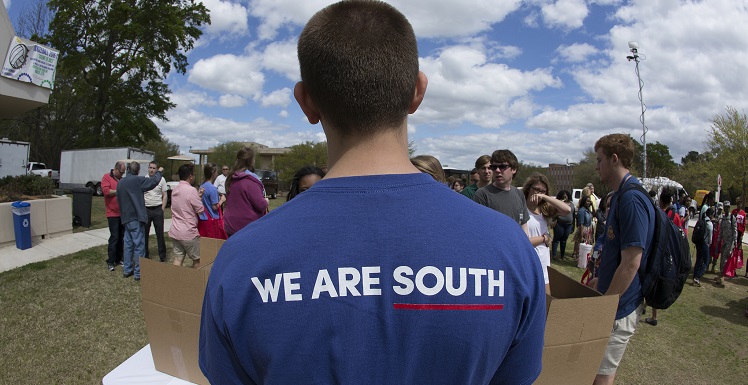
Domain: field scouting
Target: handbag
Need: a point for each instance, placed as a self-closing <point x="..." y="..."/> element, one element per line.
<point x="731" y="264"/>
<point x="739" y="261"/>
<point x="213" y="227"/>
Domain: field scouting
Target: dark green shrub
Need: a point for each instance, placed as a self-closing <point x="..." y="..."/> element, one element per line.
<point x="31" y="185"/>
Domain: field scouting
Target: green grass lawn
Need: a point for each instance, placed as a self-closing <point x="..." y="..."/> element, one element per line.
<point x="70" y="321"/>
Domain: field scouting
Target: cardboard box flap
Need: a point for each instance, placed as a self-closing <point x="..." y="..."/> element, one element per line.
<point x="575" y="320"/>
<point x="174" y="341"/>
<point x="572" y="364"/>
<point x="173" y="286"/>
<point x="209" y="249"/>
<point x="565" y="287"/>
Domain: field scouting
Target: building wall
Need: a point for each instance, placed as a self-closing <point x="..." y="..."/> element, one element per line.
<point x="562" y="176"/>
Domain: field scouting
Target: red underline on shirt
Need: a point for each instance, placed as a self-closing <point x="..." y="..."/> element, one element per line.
<point x="443" y="306"/>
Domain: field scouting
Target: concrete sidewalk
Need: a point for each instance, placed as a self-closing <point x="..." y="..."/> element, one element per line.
<point x="11" y="257"/>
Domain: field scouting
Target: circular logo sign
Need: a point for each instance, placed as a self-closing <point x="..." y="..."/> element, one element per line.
<point x="25" y="223"/>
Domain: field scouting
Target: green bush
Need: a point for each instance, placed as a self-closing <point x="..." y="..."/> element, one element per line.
<point x="31" y="185"/>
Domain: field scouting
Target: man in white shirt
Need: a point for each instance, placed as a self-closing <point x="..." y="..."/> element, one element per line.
<point x="220" y="183"/>
<point x="155" y="203"/>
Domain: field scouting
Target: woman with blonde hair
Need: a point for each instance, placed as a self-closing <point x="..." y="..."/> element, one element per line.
<point x="429" y="165"/>
<point x="544" y="209"/>
<point x="245" y="200"/>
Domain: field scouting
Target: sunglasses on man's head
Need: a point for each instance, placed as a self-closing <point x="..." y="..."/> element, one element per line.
<point x="502" y="167"/>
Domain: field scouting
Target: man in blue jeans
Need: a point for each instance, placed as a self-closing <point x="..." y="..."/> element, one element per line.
<point x="134" y="216"/>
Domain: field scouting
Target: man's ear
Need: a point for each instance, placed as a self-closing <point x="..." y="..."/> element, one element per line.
<point x="305" y="102"/>
<point x="420" y="92"/>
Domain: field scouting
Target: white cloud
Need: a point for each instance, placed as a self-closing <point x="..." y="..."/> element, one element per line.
<point x="566" y="14"/>
<point x="231" y="101"/>
<point x="280" y="98"/>
<point x="283" y="114"/>
<point x="576" y="53"/>
<point x="227" y="19"/>
<point x="430" y="18"/>
<point x="465" y="87"/>
<point x="281" y="57"/>
<point x="231" y="74"/>
<point x="191" y="99"/>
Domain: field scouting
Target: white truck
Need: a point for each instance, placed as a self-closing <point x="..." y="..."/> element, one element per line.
<point x="14" y="161"/>
<point x="86" y="167"/>
<point x="14" y="157"/>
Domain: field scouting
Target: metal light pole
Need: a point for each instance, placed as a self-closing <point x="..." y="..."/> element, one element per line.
<point x="634" y="46"/>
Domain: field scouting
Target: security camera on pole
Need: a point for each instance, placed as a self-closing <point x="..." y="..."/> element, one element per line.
<point x="634" y="47"/>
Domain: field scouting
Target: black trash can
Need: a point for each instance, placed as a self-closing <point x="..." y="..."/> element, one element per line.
<point x="82" y="198"/>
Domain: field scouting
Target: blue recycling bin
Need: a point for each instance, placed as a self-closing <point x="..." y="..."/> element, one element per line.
<point x="22" y="224"/>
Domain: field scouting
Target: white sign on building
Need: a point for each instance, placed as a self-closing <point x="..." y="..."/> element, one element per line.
<point x="30" y="62"/>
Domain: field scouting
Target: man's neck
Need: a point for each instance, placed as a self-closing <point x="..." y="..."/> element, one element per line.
<point x="386" y="153"/>
<point x="618" y="176"/>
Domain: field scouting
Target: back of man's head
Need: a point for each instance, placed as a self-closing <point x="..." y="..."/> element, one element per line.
<point x="666" y="197"/>
<point x="619" y="144"/>
<point x="359" y="65"/>
<point x="185" y="171"/>
<point x="134" y="168"/>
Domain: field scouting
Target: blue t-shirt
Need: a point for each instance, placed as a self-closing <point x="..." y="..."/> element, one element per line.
<point x="210" y="197"/>
<point x="632" y="226"/>
<point x="367" y="287"/>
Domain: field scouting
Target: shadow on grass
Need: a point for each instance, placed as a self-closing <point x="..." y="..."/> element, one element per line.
<point x="732" y="311"/>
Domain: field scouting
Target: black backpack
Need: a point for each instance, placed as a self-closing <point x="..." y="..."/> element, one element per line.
<point x="663" y="273"/>
<point x="699" y="231"/>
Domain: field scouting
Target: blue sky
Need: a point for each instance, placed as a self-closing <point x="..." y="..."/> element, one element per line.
<point x="544" y="79"/>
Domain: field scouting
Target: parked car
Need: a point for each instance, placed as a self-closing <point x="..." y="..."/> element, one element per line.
<point x="41" y="169"/>
<point x="270" y="181"/>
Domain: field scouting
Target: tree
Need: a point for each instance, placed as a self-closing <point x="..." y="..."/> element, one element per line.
<point x="728" y="142"/>
<point x="117" y="54"/>
<point x="304" y="154"/>
<point x="659" y="160"/>
<point x="585" y="172"/>
<point x="527" y="169"/>
<point x="225" y="153"/>
<point x="692" y="156"/>
<point x="33" y="21"/>
<point x="164" y="148"/>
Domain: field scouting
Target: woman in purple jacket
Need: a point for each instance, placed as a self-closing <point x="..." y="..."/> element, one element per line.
<point x="245" y="202"/>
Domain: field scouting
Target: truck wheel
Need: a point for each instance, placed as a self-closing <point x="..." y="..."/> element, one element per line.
<point x="99" y="192"/>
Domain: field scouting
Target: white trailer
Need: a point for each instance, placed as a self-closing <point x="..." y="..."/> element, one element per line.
<point x="86" y="167"/>
<point x="14" y="157"/>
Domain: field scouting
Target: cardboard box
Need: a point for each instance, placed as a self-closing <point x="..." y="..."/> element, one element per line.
<point x="579" y="321"/>
<point x="172" y="303"/>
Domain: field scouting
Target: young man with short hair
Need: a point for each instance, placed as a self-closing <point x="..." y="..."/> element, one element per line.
<point x="501" y="195"/>
<point x="629" y="232"/>
<point x="186" y="206"/>
<point x="483" y="171"/>
<point x="365" y="287"/>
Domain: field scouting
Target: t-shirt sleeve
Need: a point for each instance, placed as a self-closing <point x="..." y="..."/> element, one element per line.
<point x="523" y="361"/>
<point x="633" y="219"/>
